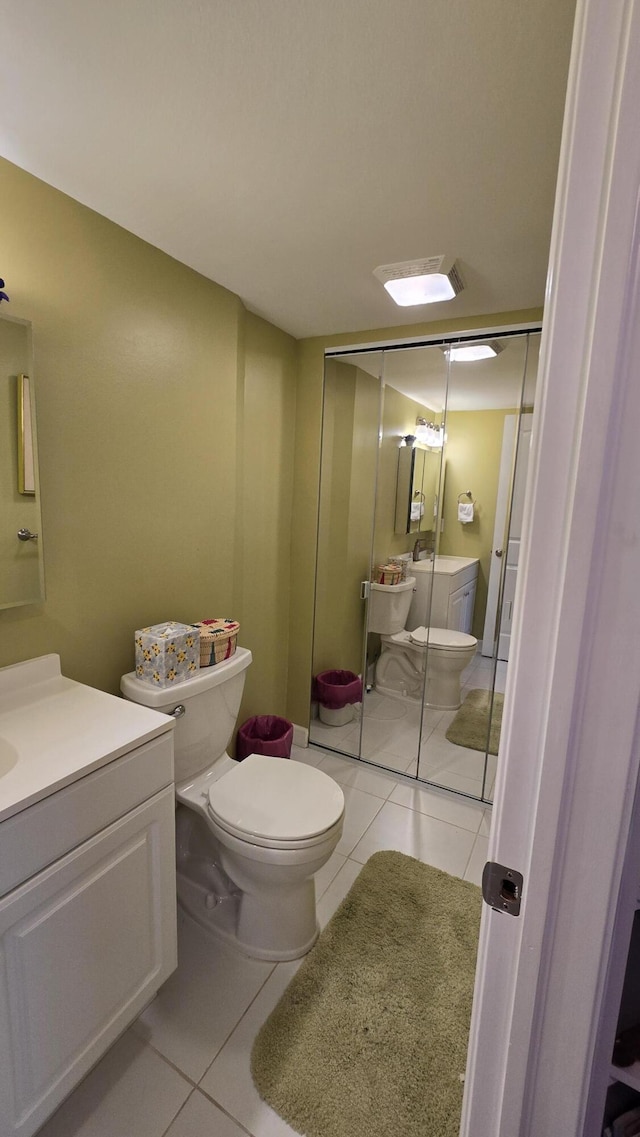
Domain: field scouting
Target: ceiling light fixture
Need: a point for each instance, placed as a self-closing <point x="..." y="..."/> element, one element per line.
<point x="470" y="352"/>
<point x="426" y="281"/>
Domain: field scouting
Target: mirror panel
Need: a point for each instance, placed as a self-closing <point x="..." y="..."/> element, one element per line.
<point x="393" y="708"/>
<point x="21" y="561"/>
<point x="486" y="447"/>
<point x="387" y="497"/>
<point x="349" y="458"/>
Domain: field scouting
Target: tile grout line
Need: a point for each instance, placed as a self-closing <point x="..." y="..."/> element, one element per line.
<point x="235" y="1027"/>
<point x="425" y="787"/>
<point x="172" y="1065"/>
<point x="224" y="1110"/>
<point x="176" y="1115"/>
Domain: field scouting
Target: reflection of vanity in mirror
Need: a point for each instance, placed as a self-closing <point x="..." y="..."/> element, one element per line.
<point x="21" y="561"/>
<point x="383" y="506"/>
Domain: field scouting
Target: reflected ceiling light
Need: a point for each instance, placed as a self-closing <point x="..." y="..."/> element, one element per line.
<point x="469" y="352"/>
<point x="426" y="281"/>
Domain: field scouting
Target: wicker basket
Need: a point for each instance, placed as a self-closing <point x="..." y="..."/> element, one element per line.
<point x="387" y="574"/>
<point x="217" y="640"/>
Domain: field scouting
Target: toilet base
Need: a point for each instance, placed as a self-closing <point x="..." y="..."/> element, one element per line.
<point x="235" y="895"/>
<point x="438" y="696"/>
<point x="220" y="922"/>
<point x="400" y="672"/>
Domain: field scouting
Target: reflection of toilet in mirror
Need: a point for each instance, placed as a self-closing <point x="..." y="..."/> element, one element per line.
<point x="407" y="646"/>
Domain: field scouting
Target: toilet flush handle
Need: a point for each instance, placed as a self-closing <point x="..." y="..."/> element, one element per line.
<point x="178" y="711"/>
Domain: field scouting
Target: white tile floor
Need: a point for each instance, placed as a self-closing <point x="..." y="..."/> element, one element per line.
<point x="182" y="1070"/>
<point x="393" y="737"/>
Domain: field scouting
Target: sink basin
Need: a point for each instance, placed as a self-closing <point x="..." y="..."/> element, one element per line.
<point x="8" y="757"/>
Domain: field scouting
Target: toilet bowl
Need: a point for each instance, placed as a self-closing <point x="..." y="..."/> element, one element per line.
<point x="249" y="835"/>
<point x="400" y="669"/>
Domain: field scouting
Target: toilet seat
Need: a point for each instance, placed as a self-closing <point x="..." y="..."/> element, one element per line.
<point x="276" y="803"/>
<point x="442" y="638"/>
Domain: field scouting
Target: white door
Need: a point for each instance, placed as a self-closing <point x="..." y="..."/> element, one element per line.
<point x="569" y="750"/>
<point x="505" y="551"/>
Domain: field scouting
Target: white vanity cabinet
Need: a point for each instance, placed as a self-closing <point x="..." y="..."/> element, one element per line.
<point x="87" y="886"/>
<point x="453" y="582"/>
<point x="460" y="605"/>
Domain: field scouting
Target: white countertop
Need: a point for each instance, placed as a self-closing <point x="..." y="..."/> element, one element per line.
<point x="54" y="731"/>
<point x="446" y="565"/>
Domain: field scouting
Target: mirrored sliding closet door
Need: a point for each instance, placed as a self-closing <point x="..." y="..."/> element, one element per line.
<point x="424" y="465"/>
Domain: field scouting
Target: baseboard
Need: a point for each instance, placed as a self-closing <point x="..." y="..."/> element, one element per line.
<point x="300" y="735"/>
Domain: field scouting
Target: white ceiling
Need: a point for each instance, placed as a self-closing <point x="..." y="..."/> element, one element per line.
<point x="285" y="148"/>
<point x="500" y="383"/>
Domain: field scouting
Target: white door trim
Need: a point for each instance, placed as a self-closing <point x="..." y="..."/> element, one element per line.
<point x="502" y="505"/>
<point x="568" y="764"/>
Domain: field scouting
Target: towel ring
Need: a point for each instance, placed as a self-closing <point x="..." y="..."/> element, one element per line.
<point x="466" y="493"/>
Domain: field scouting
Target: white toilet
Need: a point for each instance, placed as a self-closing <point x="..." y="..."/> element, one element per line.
<point x="400" y="669"/>
<point x="250" y="835"/>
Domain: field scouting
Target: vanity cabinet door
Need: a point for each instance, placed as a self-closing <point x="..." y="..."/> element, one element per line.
<point x="456" y="613"/>
<point x="469" y="605"/>
<point x="461" y="605"/>
<point x="84" y="945"/>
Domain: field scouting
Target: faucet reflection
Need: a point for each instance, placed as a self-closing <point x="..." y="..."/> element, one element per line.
<point x="422" y="542"/>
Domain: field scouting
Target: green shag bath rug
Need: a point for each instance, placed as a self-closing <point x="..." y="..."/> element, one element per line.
<point x="470" y="727"/>
<point x="370" y="1038"/>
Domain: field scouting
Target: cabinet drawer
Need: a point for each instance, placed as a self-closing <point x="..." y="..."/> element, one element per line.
<point x="465" y="576"/>
<point x="50" y="828"/>
<point x="83" y="946"/>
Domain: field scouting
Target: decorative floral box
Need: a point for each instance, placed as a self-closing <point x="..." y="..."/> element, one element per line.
<point x="167" y="654"/>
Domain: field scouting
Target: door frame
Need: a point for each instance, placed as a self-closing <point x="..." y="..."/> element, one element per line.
<point x="515" y="425"/>
<point x="569" y="750"/>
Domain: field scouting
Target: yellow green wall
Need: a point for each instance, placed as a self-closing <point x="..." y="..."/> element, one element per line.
<point x="262" y="566"/>
<point x="473" y="449"/>
<point x="166" y="416"/>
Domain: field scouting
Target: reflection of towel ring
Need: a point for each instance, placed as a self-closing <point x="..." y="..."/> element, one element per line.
<point x="419" y="493"/>
<point x="466" y="493"/>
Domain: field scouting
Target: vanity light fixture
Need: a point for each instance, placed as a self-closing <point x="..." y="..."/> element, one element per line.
<point x="430" y="433"/>
<point x="425" y="281"/>
<point x="470" y="352"/>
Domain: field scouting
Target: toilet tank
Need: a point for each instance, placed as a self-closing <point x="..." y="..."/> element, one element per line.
<point x="420" y="611"/>
<point x="211" y="700"/>
<point x="389" y="606"/>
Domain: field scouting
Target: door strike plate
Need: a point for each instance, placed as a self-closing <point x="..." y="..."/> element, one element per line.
<point x="502" y="888"/>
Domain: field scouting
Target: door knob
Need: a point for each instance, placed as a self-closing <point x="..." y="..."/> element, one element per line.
<point x="26" y="535"/>
<point x="498" y="552"/>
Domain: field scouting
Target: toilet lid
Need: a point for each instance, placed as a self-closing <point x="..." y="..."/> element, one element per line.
<point x="276" y="799"/>
<point x="442" y="637"/>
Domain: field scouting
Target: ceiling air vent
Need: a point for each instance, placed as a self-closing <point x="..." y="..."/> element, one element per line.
<point x="424" y="281"/>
